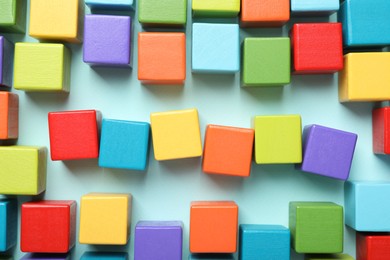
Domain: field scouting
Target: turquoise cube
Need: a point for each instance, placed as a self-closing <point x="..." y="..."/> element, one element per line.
<point x="215" y="48"/>
<point x="110" y="4"/>
<point x="264" y="242"/>
<point x="104" y="256"/>
<point x="314" y="7"/>
<point x="8" y="223"/>
<point x="124" y="144"/>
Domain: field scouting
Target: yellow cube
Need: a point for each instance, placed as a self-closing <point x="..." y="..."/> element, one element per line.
<point x="176" y="134"/>
<point x="365" y="77"/>
<point x="41" y="67"/>
<point x="216" y="8"/>
<point x="278" y="139"/>
<point x="57" y="20"/>
<point x="22" y="170"/>
<point x="105" y="219"/>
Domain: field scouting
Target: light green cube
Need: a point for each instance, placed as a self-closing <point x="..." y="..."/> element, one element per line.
<point x="278" y="139"/>
<point x="13" y="16"/>
<point x="329" y="257"/>
<point x="162" y="12"/>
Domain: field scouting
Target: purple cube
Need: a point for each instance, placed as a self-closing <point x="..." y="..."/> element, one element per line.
<point x="107" y="40"/>
<point x="328" y="152"/>
<point x="6" y="62"/>
<point x="158" y="240"/>
<point x="46" y="257"/>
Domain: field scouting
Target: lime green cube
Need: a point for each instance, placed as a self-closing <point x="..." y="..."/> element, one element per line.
<point x="13" y="16"/>
<point x="329" y="257"/>
<point x="216" y="8"/>
<point x="162" y="12"/>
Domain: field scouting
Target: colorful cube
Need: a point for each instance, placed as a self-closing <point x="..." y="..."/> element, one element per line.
<point x="104" y="256"/>
<point x="215" y="48"/>
<point x="57" y="20"/>
<point x="215" y="8"/>
<point x="8" y="223"/>
<point x="364" y="210"/>
<point x="48" y="226"/>
<point x="329" y="257"/>
<point x="124" y="144"/>
<point x="317" y="48"/>
<point x="6" y="61"/>
<point x="265" y="13"/>
<point x="155" y="240"/>
<point x="105" y="218"/>
<point x="162" y="57"/>
<point x="47" y="256"/>
<point x="122" y="5"/>
<point x="13" y="16"/>
<point x="162" y="13"/>
<point x="327" y="151"/>
<point x="381" y="130"/>
<point x="176" y="134"/>
<point x="278" y="139"/>
<point x="362" y="70"/>
<point x="266" y="62"/>
<point x="314" y="7"/>
<point x="74" y="135"/>
<point x="9" y="116"/>
<point x="107" y="40"/>
<point x="42" y="67"/>
<point x="211" y="257"/>
<point x="213" y="227"/>
<point x="228" y="150"/>
<point x="22" y="170"/>
<point x="372" y="246"/>
<point x="316" y="227"/>
<point x="264" y="242"/>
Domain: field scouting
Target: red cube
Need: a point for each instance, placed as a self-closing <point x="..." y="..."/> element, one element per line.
<point x="48" y="226"/>
<point x="381" y="130"/>
<point x="372" y="246"/>
<point x="74" y="134"/>
<point x="317" y="48"/>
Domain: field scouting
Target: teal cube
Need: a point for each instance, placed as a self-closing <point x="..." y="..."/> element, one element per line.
<point x="104" y="256"/>
<point x="13" y="16"/>
<point x="8" y="223"/>
<point x="121" y="5"/>
<point x="162" y="13"/>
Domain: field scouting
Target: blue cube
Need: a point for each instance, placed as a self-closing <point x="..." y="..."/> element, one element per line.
<point x="104" y="256"/>
<point x="110" y="4"/>
<point x="365" y="23"/>
<point x="215" y="48"/>
<point x="8" y="223"/>
<point x="314" y="7"/>
<point x="124" y="144"/>
<point x="264" y="242"/>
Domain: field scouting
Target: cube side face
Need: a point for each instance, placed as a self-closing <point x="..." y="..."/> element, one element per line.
<point x="8" y="224"/>
<point x="350" y="204"/>
<point x="104" y="256"/>
<point x="110" y="4"/>
<point x="9" y="115"/>
<point x="13" y="16"/>
<point x="264" y="13"/>
<point x="381" y="130"/>
<point x="216" y="8"/>
<point x="6" y="62"/>
<point x="174" y="12"/>
<point x="314" y="7"/>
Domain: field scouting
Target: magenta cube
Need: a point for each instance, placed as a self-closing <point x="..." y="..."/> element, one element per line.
<point x="107" y="40"/>
<point x="6" y="61"/>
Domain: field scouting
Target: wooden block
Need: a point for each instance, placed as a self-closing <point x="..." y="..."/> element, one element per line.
<point x="362" y="70"/>
<point x="215" y="8"/>
<point x="264" y="242"/>
<point x="316" y="227"/>
<point x="6" y="61"/>
<point x="47" y="257"/>
<point x="266" y="62"/>
<point x="265" y="13"/>
<point x="213" y="227"/>
<point x="381" y="130"/>
<point x="59" y="20"/>
<point x="155" y="240"/>
<point x="107" y="40"/>
<point x="104" y="256"/>
<point x="317" y="48"/>
<point x="122" y="5"/>
<point x="314" y="7"/>
<point x="327" y="151"/>
<point x="74" y="135"/>
<point x="210" y="257"/>
<point x="372" y="246"/>
<point x="162" y="13"/>
<point x="124" y="144"/>
<point x="358" y="24"/>
<point x="13" y="16"/>
<point x="9" y="116"/>
<point x="105" y="218"/>
<point x="278" y="139"/>
<point x="228" y="150"/>
<point x="329" y="257"/>
<point x="22" y="170"/>
<point x="364" y="210"/>
<point x="161" y="57"/>
<point x="215" y="48"/>
<point x="48" y="226"/>
<point x="8" y="223"/>
<point x="176" y="134"/>
<point x="42" y="67"/>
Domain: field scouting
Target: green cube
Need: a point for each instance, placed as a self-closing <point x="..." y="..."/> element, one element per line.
<point x="329" y="257"/>
<point x="316" y="227"/>
<point x="266" y="62"/>
<point x="162" y="12"/>
<point x="13" y="16"/>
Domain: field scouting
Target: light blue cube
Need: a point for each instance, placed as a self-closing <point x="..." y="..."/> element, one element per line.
<point x="314" y="7"/>
<point x="264" y="242"/>
<point x="215" y="48"/>
<point x="104" y="256"/>
<point x="8" y="223"/>
<point x="366" y="206"/>
<point x="365" y="23"/>
<point x="110" y="4"/>
<point x="211" y="257"/>
<point x="124" y="144"/>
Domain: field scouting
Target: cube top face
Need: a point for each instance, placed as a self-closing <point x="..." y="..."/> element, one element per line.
<point x="13" y="16"/>
<point x="213" y="227"/>
<point x="159" y="225"/>
<point x="327" y="151"/>
<point x="107" y="40"/>
<point x="265" y="13"/>
<point x="381" y="130"/>
<point x="228" y="150"/>
<point x="266" y="62"/>
<point x="9" y="115"/>
<point x="8" y="223"/>
<point x="372" y="246"/>
<point x="161" y="57"/>
<point x="167" y="12"/>
<point x="105" y="219"/>
<point x="317" y="47"/>
<point x="314" y="6"/>
<point x="176" y="134"/>
<point x="7" y="12"/>
<point x="216" y="8"/>
<point x="256" y="228"/>
<point x="278" y="139"/>
<point x="329" y="257"/>
<point x="215" y="48"/>
<point x="104" y="256"/>
<point x="110" y="4"/>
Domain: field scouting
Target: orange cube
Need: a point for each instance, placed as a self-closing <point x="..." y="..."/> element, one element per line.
<point x="228" y="150"/>
<point x="161" y="58"/>
<point x="9" y="116"/>
<point x="213" y="227"/>
<point x="265" y="13"/>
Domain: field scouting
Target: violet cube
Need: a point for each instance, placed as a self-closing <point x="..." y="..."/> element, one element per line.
<point x="327" y="151"/>
<point x="6" y="62"/>
<point x="107" y="40"/>
<point x="158" y="240"/>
